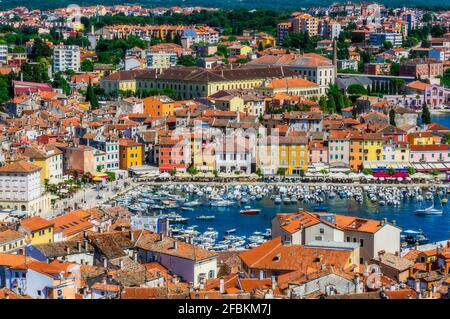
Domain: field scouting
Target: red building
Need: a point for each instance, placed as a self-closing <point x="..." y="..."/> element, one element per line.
<point x="174" y="153"/>
<point x="22" y="87"/>
<point x="47" y="139"/>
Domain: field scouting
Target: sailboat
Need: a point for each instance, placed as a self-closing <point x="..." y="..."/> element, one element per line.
<point x="429" y="210"/>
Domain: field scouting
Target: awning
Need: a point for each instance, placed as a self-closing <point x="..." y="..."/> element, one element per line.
<point x="386" y="175"/>
<point x="99" y="178"/>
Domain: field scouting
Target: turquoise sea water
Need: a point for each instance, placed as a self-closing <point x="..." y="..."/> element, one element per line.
<point x="436" y="227"/>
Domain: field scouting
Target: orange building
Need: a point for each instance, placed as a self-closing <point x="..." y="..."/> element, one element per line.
<point x="356" y="151"/>
<point x="160" y="105"/>
<point x="130" y="153"/>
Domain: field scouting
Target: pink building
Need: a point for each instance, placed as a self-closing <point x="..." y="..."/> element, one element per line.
<point x="436" y="95"/>
<point x="81" y="159"/>
<point x="434" y="154"/>
<point x="318" y="152"/>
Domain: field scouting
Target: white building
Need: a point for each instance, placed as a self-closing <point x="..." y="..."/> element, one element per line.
<point x="347" y="65"/>
<point x="66" y="57"/>
<point x="193" y="264"/>
<point x="234" y="155"/>
<point x="161" y="60"/>
<point x="3" y="54"/>
<point x="20" y="181"/>
<point x="20" y="188"/>
<point x="303" y="228"/>
<point x="199" y="34"/>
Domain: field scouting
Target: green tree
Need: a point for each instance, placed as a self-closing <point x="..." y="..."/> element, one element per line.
<point x="40" y="49"/>
<point x="390" y="171"/>
<point x="357" y="89"/>
<point x="323" y="103"/>
<point x="426" y="116"/>
<point x="331" y="104"/>
<point x="87" y="65"/>
<point x="4" y="88"/>
<point x="192" y="170"/>
<point x="260" y="46"/>
<point x="60" y="82"/>
<point x="377" y="87"/>
<point x="187" y="60"/>
<point x="392" y="117"/>
<point x="387" y="45"/>
<point x="446" y="138"/>
<point x="91" y="97"/>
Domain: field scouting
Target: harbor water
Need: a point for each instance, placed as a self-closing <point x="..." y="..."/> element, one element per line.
<point x="436" y="227"/>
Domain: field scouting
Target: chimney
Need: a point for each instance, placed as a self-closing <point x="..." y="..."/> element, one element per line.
<point x="121" y="263"/>
<point x="221" y="285"/>
<point x="79" y="246"/>
<point x="175" y="245"/>
<point x="105" y="263"/>
<point x="86" y="244"/>
<point x="68" y="250"/>
<point x="394" y="222"/>
<point x="131" y="235"/>
<point x="274" y="282"/>
<point x="161" y="236"/>
<point x="135" y="256"/>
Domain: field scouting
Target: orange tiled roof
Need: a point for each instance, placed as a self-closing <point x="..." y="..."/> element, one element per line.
<point x="276" y="256"/>
<point x="9" y="235"/>
<point x="19" y="167"/>
<point x="35" y="223"/>
<point x="358" y="224"/>
<point x="15" y="260"/>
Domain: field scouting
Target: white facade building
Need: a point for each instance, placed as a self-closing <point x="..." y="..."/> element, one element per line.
<point x="66" y="57"/>
<point x="161" y="60"/>
<point x="20" y="181"/>
<point x="21" y="188"/>
<point x="3" y="54"/>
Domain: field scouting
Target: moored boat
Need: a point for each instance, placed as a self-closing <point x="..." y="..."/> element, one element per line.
<point x="251" y="211"/>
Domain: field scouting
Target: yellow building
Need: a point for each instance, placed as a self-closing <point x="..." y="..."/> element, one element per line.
<point x="267" y="40"/>
<point x="293" y="154"/>
<point x="37" y="230"/>
<point x="159" y="105"/>
<point x="421" y="138"/>
<point x="11" y="241"/>
<point x="121" y="81"/>
<point x="47" y="157"/>
<point x="373" y="147"/>
<point x="130" y="153"/>
<point x="292" y="86"/>
<point x="191" y="83"/>
<point x="267" y="155"/>
<point x="203" y="152"/>
<point x="239" y="49"/>
<point x="402" y="153"/>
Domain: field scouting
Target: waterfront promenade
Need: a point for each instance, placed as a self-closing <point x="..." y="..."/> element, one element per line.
<point x="90" y="196"/>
